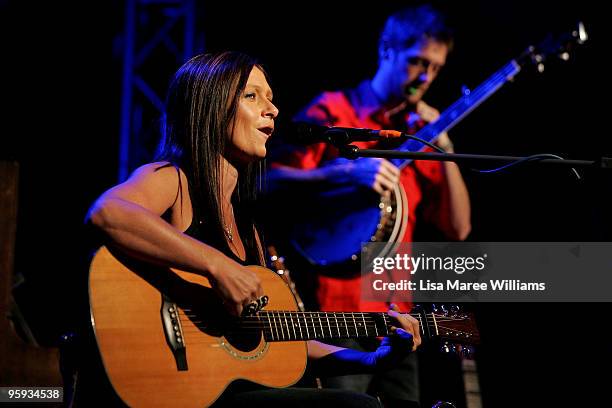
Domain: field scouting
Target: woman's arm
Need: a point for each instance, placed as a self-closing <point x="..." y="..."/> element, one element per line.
<point x="332" y="360"/>
<point x="129" y="216"/>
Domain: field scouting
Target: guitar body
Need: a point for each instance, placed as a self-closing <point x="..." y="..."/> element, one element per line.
<point x="126" y="301"/>
<point x="331" y="230"/>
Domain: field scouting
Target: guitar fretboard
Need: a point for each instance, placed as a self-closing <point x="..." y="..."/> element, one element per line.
<point x="283" y="325"/>
<point x="288" y="325"/>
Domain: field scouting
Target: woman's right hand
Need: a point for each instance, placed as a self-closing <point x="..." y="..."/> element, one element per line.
<point x="378" y="174"/>
<point x="237" y="286"/>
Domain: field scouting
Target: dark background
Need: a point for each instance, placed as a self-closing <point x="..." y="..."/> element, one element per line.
<point x="61" y="72"/>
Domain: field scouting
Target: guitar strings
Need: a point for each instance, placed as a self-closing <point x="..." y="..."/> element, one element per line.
<point x="262" y="325"/>
<point x="281" y="316"/>
<point x="374" y="328"/>
<point x="278" y="323"/>
<point x="282" y="325"/>
<point x="271" y="336"/>
<point x="348" y="314"/>
<point x="336" y="325"/>
<point x="343" y="315"/>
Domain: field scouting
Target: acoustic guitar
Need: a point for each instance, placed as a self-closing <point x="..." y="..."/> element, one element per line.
<point x="166" y="340"/>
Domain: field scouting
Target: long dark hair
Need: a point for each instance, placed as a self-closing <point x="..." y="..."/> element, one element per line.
<point x="200" y="110"/>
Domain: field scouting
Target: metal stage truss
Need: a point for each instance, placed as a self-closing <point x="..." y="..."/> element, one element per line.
<point x="158" y="36"/>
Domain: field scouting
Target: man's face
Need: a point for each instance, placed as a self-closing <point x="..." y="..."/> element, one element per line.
<point x="415" y="68"/>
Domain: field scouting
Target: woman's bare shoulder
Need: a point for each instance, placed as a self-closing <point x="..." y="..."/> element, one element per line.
<point x="156" y="186"/>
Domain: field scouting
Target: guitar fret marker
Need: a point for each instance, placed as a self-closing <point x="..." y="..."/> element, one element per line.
<point x="433" y="315"/>
<point x="346" y="325"/>
<point x="287" y="326"/>
<point x="292" y="325"/>
<point x="386" y="324"/>
<point x="337" y="325"/>
<point x="329" y="326"/>
<point x="306" y="326"/>
<point x="320" y="324"/>
<point x="376" y="327"/>
<point x="299" y="326"/>
<point x="364" y="323"/>
<point x="313" y="326"/>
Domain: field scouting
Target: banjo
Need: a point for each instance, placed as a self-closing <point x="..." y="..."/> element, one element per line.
<point x="333" y="225"/>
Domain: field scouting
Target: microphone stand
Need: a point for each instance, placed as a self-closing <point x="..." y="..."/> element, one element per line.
<point x="350" y="151"/>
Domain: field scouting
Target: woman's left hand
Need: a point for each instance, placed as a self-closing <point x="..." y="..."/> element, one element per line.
<point x="405" y="338"/>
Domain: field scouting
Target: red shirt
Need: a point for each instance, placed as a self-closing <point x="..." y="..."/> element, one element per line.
<point x="422" y="181"/>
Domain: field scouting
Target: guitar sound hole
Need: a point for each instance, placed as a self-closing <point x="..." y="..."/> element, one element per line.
<point x="244" y="340"/>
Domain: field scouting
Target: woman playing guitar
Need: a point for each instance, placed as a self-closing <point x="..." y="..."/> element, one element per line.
<point x="191" y="210"/>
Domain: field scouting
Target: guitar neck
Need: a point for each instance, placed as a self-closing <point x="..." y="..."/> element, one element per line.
<point x="289" y="325"/>
<point x="461" y="108"/>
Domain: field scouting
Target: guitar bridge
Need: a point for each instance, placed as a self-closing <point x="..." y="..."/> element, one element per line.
<point x="174" y="332"/>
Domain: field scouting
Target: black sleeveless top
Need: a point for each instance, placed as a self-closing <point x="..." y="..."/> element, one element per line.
<point x="197" y="230"/>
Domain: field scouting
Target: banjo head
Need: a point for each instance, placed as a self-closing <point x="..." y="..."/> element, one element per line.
<point x="331" y="231"/>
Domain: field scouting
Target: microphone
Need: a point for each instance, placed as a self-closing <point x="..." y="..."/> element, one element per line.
<point x="304" y="133"/>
